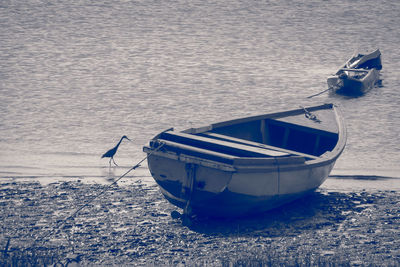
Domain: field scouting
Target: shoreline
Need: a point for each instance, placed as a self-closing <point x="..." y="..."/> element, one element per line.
<point x="335" y="181"/>
<point x="105" y="174"/>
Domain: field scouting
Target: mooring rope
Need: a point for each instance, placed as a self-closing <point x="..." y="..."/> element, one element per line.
<point x="319" y="93"/>
<point x="62" y="222"/>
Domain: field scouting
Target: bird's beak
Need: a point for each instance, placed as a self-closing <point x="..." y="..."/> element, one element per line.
<point x="128" y="139"/>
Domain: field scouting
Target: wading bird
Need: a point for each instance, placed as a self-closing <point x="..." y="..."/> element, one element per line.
<point x="110" y="153"/>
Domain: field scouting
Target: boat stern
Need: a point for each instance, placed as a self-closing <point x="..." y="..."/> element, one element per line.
<point x="334" y="81"/>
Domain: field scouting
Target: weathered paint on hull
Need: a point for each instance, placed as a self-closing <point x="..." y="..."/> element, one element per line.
<point x="220" y="193"/>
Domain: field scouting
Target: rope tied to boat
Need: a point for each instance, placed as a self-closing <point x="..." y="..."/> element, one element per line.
<point x="62" y="222"/>
<point x="326" y="90"/>
<point x="310" y="116"/>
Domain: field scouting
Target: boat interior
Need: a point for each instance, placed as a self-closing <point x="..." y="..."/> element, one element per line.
<point x="352" y="73"/>
<point x="282" y="136"/>
<point x="260" y="138"/>
<point x="369" y="61"/>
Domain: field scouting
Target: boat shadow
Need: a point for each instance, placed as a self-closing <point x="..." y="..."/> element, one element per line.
<point x="343" y="94"/>
<point x="318" y="210"/>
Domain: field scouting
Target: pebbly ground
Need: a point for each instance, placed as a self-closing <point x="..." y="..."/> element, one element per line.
<point x="131" y="225"/>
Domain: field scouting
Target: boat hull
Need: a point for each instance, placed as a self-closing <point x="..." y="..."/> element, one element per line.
<point x="358" y="75"/>
<point x="343" y="84"/>
<point x="249" y="165"/>
<point x="219" y="192"/>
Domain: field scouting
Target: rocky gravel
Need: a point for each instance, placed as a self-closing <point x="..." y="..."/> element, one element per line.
<point x="60" y="224"/>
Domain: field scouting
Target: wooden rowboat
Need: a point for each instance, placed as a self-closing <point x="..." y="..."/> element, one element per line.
<point x="359" y="74"/>
<point x="247" y="165"/>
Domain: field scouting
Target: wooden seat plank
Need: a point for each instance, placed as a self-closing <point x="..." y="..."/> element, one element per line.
<point x="260" y="145"/>
<point x="180" y="148"/>
<point x="223" y="146"/>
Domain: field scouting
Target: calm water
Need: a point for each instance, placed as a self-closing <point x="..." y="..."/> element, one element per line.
<point x="76" y="76"/>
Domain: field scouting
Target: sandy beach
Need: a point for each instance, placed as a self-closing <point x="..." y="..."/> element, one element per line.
<point x="130" y="224"/>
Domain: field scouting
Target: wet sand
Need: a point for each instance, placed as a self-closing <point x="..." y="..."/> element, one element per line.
<point x="130" y="224"/>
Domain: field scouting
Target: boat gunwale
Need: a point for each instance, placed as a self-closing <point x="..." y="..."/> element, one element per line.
<point x="293" y="112"/>
<point x="234" y="168"/>
<point x="324" y="159"/>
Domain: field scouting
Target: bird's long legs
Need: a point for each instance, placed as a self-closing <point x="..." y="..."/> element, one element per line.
<point x="112" y="161"/>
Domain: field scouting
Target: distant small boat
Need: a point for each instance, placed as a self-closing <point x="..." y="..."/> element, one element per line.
<point x="359" y="74"/>
<point x="248" y="165"/>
